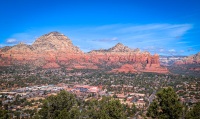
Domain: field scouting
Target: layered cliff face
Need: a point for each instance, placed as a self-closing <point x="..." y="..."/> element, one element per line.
<point x="188" y="65"/>
<point x="118" y="54"/>
<point x="54" y="49"/>
<point x="20" y="51"/>
<point x="193" y="59"/>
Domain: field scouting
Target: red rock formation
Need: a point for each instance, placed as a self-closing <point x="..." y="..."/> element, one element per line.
<point x="55" y="42"/>
<point x="54" y="49"/>
<point x="126" y="68"/>
<point x="193" y="59"/>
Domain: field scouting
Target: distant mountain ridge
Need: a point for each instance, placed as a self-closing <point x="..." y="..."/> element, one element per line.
<point x="119" y="47"/>
<point x="192" y="59"/>
<point x="189" y="65"/>
<point x="55" y="50"/>
<point x="170" y="60"/>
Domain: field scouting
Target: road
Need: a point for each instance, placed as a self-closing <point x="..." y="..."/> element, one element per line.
<point x="150" y="99"/>
<point x="152" y="96"/>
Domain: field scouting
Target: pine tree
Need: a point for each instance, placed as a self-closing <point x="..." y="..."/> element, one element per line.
<point x="194" y="113"/>
<point x="166" y="105"/>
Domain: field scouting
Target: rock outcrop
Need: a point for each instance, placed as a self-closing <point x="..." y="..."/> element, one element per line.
<point x="193" y="59"/>
<point x="55" y="42"/>
<point x="187" y="66"/>
<point x="126" y="68"/>
<point x="54" y="50"/>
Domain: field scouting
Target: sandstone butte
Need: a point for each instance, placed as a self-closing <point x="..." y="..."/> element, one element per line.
<point x="55" y="50"/>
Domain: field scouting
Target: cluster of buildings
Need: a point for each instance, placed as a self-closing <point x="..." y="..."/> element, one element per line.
<point x="85" y="91"/>
<point x="29" y="93"/>
<point x="188" y="92"/>
<point x="138" y="99"/>
<point x="37" y="92"/>
<point x="81" y="91"/>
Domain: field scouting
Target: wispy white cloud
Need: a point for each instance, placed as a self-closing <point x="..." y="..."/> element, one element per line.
<point x="161" y="50"/>
<point x="144" y="32"/>
<point x="156" y="38"/>
<point x="165" y="29"/>
<point x="2" y="45"/>
<point x="21" y="37"/>
<point x="179" y="30"/>
<point x="172" y="50"/>
<point x="108" y="27"/>
<point x="182" y="42"/>
<point x="107" y="39"/>
<point x="11" y="41"/>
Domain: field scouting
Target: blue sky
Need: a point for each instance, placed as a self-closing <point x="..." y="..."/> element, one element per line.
<point x="166" y="27"/>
